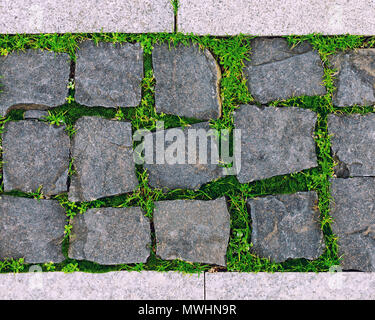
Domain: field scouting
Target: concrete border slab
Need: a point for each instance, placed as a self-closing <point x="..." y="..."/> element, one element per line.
<point x="273" y="17"/>
<point x="123" y="285"/>
<point x="290" y="286"/>
<point x="51" y="16"/>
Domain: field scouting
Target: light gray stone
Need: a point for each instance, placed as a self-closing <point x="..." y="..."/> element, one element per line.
<point x="35" y="154"/>
<point x="274" y="141"/>
<point x="103" y="159"/>
<point x="354" y="221"/>
<point x="187" y="81"/>
<point x="108" y="75"/>
<point x="353" y="144"/>
<point x="276" y="18"/>
<point x="35" y="114"/>
<point x="33" y="77"/>
<point x="286" y="226"/>
<point x="121" y="285"/>
<point x="355" y="79"/>
<point x="31" y="229"/>
<point x="192" y="230"/>
<point x="111" y="236"/>
<point x="277" y="72"/>
<point x="50" y="16"/>
<point x="185" y="176"/>
<point x="290" y="286"/>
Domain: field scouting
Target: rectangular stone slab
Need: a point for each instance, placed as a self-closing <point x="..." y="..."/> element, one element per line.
<point x="275" y="17"/>
<point x="50" y="16"/>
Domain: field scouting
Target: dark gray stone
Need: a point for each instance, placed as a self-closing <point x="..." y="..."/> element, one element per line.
<point x="355" y="79"/>
<point x="353" y="144"/>
<point x="192" y="230"/>
<point x="33" y="77"/>
<point x="109" y="75"/>
<point x="187" y="81"/>
<point x="352" y="210"/>
<point x="274" y="141"/>
<point x="35" y="114"/>
<point x="111" y="236"/>
<point x="185" y="176"/>
<point x="35" y="154"/>
<point x="286" y="226"/>
<point x="103" y="159"/>
<point x="31" y="229"/>
<point x="276" y="71"/>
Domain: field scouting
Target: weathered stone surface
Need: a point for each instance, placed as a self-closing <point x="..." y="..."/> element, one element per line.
<point x="35" y="114"/>
<point x="274" y="141"/>
<point x="103" y="159"/>
<point x="277" y="72"/>
<point x="354" y="221"/>
<point x="185" y="176"/>
<point x="353" y="144"/>
<point x="33" y="77"/>
<point x="35" y="154"/>
<point x="355" y="81"/>
<point x="192" y="230"/>
<point x="31" y="229"/>
<point x="109" y="75"/>
<point x="286" y="226"/>
<point x="111" y="236"/>
<point x="187" y="81"/>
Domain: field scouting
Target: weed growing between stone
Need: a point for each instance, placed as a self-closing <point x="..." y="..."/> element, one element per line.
<point x="230" y="53"/>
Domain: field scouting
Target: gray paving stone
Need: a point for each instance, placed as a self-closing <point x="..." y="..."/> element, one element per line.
<point x="103" y="159"/>
<point x="286" y="226"/>
<point x="274" y="141"/>
<point x="187" y="81"/>
<point x="185" y="176"/>
<point x="31" y="229"/>
<point x="353" y="144"/>
<point x="192" y="230"/>
<point x="111" y="236"/>
<point x="290" y="286"/>
<point x="275" y="18"/>
<point x="354" y="221"/>
<point x="33" y="77"/>
<point x="120" y="285"/>
<point x="50" y="16"/>
<point x="355" y="81"/>
<point x="277" y="72"/>
<point x="35" y="114"/>
<point x="35" y="154"/>
<point x="108" y="75"/>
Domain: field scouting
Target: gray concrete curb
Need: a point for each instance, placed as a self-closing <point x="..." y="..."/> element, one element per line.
<point x="150" y="285"/>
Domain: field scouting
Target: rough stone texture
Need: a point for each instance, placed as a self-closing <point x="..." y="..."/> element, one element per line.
<point x="120" y="285"/>
<point x="187" y="81"/>
<point x="286" y="226"/>
<point x="33" y="77"/>
<point x="355" y="81"/>
<point x="35" y="114"/>
<point x="111" y="236"/>
<point x="192" y="230"/>
<point x="277" y="72"/>
<point x="290" y="286"/>
<point x="353" y="216"/>
<point x="35" y="154"/>
<point x="103" y="159"/>
<point x="353" y="144"/>
<point x="31" y="229"/>
<point x="275" y="18"/>
<point x="275" y="141"/>
<point x="51" y="16"/>
<point x="108" y="75"/>
<point x="185" y="176"/>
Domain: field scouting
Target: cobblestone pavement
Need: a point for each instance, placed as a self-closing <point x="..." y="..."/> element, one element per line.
<point x="93" y="158"/>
